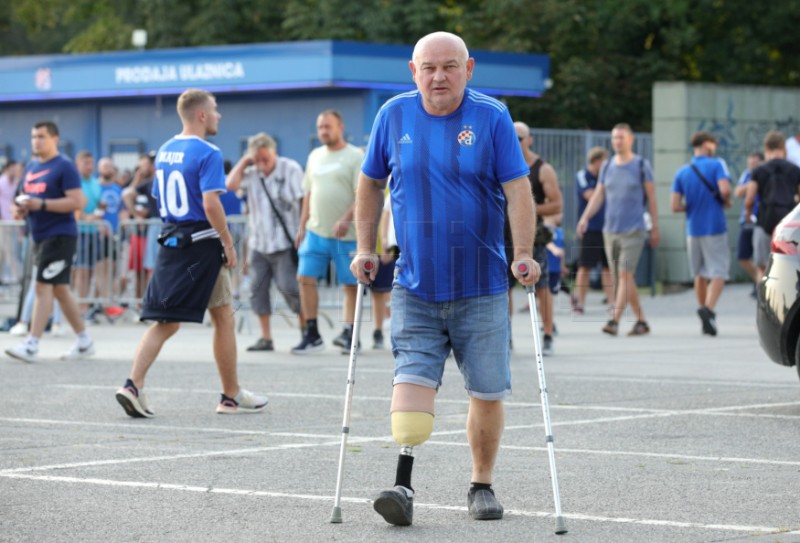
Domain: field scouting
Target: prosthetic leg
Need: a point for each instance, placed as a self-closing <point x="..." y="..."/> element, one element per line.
<point x="409" y="429"/>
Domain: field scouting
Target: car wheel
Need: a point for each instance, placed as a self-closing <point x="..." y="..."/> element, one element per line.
<point x="797" y="357"/>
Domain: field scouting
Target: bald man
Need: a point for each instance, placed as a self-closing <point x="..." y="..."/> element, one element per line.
<point x="450" y="288"/>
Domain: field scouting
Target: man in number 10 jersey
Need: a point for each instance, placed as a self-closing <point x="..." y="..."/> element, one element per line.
<point x="191" y="270"/>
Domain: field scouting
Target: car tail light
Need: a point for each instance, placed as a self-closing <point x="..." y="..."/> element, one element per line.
<point x="783" y="247"/>
<point x="783" y="242"/>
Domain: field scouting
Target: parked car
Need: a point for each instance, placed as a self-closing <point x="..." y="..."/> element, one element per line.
<point x="778" y="313"/>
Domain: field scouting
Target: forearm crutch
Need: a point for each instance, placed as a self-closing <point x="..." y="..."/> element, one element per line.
<point x="336" y="515"/>
<point x="561" y="526"/>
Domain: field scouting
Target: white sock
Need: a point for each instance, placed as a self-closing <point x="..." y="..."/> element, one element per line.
<point x="32" y="343"/>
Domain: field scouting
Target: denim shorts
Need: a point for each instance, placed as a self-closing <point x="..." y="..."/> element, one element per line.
<point x="317" y="252"/>
<point x="475" y="329"/>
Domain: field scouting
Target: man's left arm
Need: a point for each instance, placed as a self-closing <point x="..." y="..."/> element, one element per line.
<point x="522" y="219"/>
<point x="652" y="208"/>
<point x="724" y="182"/>
<point x="72" y="201"/>
<point x="553" y="201"/>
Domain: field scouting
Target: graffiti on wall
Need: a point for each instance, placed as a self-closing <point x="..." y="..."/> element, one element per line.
<point x="737" y="139"/>
<point x="729" y="147"/>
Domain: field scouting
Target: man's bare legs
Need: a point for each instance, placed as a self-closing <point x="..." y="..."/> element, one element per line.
<point x="485" y="422"/>
<point x="627" y="294"/>
<point x="148" y="349"/>
<point x="224" y="323"/>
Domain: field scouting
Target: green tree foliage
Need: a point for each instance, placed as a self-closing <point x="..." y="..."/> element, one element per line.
<point x="605" y="54"/>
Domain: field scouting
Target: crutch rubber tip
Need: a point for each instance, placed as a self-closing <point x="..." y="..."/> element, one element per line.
<point x="336" y="516"/>
<point x="561" y="526"/>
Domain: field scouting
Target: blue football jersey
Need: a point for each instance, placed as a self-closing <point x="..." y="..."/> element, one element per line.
<point x="186" y="167"/>
<point x="446" y="191"/>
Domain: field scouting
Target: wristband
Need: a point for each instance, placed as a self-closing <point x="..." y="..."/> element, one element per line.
<point x="44" y="205"/>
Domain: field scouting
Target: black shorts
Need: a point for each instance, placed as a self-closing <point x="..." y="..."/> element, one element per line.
<point x="592" y="251"/>
<point x="53" y="258"/>
<point x="744" y="246"/>
<point x="385" y="277"/>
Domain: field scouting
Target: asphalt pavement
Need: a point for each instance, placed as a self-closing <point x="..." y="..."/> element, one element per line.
<point x="671" y="437"/>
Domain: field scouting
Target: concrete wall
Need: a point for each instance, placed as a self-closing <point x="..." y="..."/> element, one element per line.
<point x="739" y="116"/>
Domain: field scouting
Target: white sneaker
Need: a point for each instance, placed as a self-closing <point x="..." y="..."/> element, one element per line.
<point x="77" y="352"/>
<point x="56" y="330"/>
<point x="245" y="402"/>
<point x="134" y="402"/>
<point x="23" y="352"/>
<point x="20" y="329"/>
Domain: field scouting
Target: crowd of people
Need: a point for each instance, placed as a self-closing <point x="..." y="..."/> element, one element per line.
<point x="348" y="207"/>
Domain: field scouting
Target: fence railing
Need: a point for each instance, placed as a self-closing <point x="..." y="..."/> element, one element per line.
<point x="113" y="268"/>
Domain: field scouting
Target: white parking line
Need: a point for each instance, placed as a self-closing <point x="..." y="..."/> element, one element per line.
<point x="333" y="439"/>
<point x="231" y="452"/>
<point x="669" y="456"/>
<point x="364" y="501"/>
<point x="574" y="407"/>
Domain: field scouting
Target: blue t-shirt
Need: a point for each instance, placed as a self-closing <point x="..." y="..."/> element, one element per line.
<point x="584" y="180"/>
<point x="51" y="179"/>
<point x="704" y="214"/>
<point x="186" y="167"/>
<point x="743" y="179"/>
<point x="446" y="192"/>
<point x="553" y="261"/>
<point x="111" y="202"/>
<point x="91" y="190"/>
<point x="231" y="204"/>
<point x="624" y="193"/>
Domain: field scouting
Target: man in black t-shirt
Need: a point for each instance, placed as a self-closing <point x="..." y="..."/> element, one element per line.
<point x="776" y="183"/>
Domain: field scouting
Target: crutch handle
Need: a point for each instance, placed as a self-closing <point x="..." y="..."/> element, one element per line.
<point x="523" y="269"/>
<point x="368" y="265"/>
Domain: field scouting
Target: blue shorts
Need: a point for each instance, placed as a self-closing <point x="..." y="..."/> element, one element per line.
<point x="317" y="252"/>
<point x="744" y="247"/>
<point x="475" y="329"/>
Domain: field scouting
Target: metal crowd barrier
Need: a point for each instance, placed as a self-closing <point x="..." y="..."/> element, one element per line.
<point x="111" y="269"/>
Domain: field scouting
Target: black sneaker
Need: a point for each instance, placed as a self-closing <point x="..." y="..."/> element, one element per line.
<point x="343" y="339"/>
<point x="377" y="339"/>
<point x="547" y="346"/>
<point x="262" y="345"/>
<point x="309" y="345"/>
<point x="709" y="319"/>
<point x="483" y="505"/>
<point x="346" y="350"/>
<point x="395" y="506"/>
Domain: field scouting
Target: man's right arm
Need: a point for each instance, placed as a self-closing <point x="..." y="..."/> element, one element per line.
<point x="234" y="179"/>
<point x="301" y="227"/>
<point x="368" y="209"/>
<point x="750" y="199"/>
<point x="591" y="208"/>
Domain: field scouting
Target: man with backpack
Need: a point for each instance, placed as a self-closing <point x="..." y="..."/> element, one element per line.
<point x="776" y="183"/>
<point x="702" y="190"/>
<point x="626" y="186"/>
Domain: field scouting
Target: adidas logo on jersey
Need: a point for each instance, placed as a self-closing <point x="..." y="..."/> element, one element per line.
<point x="405" y="139"/>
